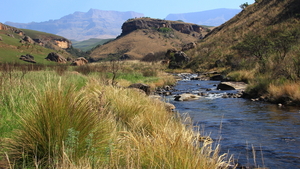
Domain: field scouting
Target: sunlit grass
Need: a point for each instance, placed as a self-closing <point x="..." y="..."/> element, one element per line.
<point x="289" y="90"/>
<point x="81" y="121"/>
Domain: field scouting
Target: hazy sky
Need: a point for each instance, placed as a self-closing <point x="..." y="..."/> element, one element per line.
<point x="24" y="11"/>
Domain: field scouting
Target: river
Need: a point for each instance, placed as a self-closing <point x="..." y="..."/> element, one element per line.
<point x="254" y="133"/>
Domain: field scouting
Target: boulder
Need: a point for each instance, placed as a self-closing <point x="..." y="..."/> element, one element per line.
<point x="28" y="39"/>
<point x="232" y="86"/>
<point x="79" y="62"/>
<point x="141" y="86"/>
<point x="27" y="58"/>
<point x="55" y="57"/>
<point x="188" y="46"/>
<point x="217" y="77"/>
<point x="181" y="57"/>
<point x="186" y="97"/>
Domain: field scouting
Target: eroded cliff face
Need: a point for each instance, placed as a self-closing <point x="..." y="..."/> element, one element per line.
<point x="63" y="43"/>
<point x="148" y="23"/>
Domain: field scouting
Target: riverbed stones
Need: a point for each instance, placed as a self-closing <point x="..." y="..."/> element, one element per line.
<point x="186" y="97"/>
<point x="232" y="86"/>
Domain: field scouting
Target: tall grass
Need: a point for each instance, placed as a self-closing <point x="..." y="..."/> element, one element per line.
<point x="285" y="93"/>
<point x="62" y="121"/>
<point x="76" y="121"/>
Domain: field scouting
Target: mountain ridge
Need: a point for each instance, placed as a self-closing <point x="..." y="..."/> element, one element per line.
<point x="104" y="24"/>
<point x="213" y="17"/>
<point x="83" y="25"/>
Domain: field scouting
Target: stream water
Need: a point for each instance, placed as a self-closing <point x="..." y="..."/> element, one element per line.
<point x="255" y="133"/>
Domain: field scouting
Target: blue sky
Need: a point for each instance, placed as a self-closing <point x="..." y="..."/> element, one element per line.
<point x="25" y="11"/>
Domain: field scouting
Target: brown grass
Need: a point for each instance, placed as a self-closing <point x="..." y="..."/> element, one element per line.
<point x="289" y="90"/>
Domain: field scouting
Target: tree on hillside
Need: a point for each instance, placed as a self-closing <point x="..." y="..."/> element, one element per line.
<point x="244" y="5"/>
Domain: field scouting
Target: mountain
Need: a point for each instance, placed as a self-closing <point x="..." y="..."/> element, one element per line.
<point x="144" y="36"/>
<point x="83" y="25"/>
<point x="213" y="17"/>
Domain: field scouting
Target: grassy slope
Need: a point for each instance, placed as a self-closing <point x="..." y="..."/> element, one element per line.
<point x="11" y="48"/>
<point x="89" y="44"/>
<point x="260" y="19"/>
<point x="37" y="34"/>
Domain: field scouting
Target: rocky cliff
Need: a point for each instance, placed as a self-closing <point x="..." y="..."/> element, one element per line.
<point x="147" y="38"/>
<point x="148" y="23"/>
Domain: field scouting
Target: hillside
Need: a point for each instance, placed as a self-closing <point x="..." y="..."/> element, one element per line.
<point x="261" y="44"/>
<point x="15" y="42"/>
<point x="142" y="36"/>
<point x="258" y="19"/>
<point x="83" y="25"/>
<point x="214" y="17"/>
<point x="89" y="44"/>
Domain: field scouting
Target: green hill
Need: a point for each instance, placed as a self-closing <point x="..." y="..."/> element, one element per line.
<point x="89" y="44"/>
<point x="12" y="46"/>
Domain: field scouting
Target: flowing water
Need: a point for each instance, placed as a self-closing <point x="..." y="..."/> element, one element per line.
<point x="255" y="133"/>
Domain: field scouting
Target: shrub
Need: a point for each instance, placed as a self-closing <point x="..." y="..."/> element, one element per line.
<point x="165" y="30"/>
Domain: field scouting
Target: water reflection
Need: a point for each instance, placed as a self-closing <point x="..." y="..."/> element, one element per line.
<point x="243" y="127"/>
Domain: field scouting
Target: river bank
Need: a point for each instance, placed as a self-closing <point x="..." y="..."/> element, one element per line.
<point x="256" y="133"/>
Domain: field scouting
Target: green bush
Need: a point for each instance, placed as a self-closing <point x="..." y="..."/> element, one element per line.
<point x="165" y="30"/>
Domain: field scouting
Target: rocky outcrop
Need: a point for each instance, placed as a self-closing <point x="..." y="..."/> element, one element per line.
<point x="176" y="58"/>
<point x="55" y="57"/>
<point x="188" y="46"/>
<point x="27" y="58"/>
<point x="28" y="39"/>
<point x="79" y="62"/>
<point x="63" y="43"/>
<point x="148" y="23"/>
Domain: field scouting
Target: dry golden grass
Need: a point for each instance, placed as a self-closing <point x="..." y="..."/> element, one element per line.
<point x="289" y="90"/>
